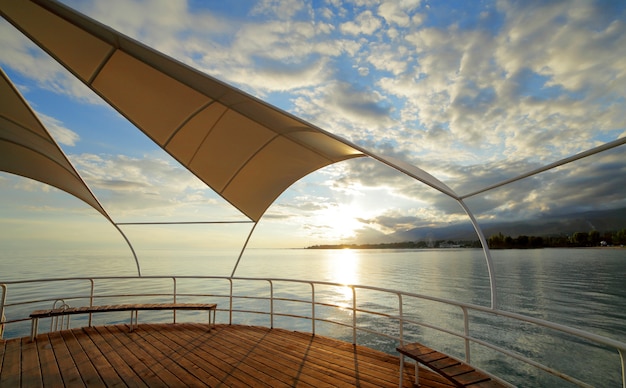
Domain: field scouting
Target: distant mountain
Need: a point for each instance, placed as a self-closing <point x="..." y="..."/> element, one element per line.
<point x="602" y="221"/>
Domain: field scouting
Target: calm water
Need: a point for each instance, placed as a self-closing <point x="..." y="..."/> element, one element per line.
<point x="582" y="288"/>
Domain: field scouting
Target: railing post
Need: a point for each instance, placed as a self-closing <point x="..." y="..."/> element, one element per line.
<point x="175" y="292"/>
<point x="91" y="296"/>
<point x="623" y="360"/>
<point x="353" y="315"/>
<point x="312" y="307"/>
<point x="401" y="319"/>
<point x="466" y="332"/>
<point x="271" y="304"/>
<point x="2" y="302"/>
<point x="230" y="310"/>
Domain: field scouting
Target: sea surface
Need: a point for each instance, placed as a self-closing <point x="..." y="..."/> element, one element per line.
<point x="580" y="288"/>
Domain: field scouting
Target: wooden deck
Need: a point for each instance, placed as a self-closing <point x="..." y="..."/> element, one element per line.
<point x="157" y="355"/>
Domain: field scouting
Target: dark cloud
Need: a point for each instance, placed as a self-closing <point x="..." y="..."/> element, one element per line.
<point x="358" y="102"/>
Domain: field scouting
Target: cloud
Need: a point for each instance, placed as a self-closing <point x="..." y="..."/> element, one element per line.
<point x="364" y="24"/>
<point x="149" y="187"/>
<point x="282" y="9"/>
<point x="473" y="99"/>
<point x="398" y="12"/>
<point x="21" y="55"/>
<point x="58" y="131"/>
<point x="346" y="110"/>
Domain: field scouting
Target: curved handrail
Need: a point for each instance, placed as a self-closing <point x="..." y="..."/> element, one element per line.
<point x="401" y="318"/>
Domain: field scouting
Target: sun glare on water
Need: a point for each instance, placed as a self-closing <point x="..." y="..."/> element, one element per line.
<point x="343" y="265"/>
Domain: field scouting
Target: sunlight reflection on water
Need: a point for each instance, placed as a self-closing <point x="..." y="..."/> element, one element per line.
<point x="580" y="288"/>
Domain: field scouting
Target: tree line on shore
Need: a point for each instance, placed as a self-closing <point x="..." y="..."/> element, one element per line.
<point x="579" y="239"/>
<point x="498" y="241"/>
<point x="404" y="245"/>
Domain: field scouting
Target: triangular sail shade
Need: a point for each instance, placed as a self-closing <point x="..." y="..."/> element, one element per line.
<point x="246" y="150"/>
<point x="27" y="149"/>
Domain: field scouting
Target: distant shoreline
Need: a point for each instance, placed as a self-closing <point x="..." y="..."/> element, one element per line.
<point x="388" y="246"/>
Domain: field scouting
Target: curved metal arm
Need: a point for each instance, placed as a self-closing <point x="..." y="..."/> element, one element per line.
<point x="130" y="246"/>
<point x="486" y="251"/>
<point x="245" y="244"/>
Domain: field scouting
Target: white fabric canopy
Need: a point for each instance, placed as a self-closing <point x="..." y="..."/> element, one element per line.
<point x="27" y="149"/>
<point x="246" y="150"/>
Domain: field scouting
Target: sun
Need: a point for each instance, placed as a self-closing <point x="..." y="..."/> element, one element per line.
<point x="341" y="222"/>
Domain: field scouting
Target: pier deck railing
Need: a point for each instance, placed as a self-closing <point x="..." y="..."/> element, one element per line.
<point x="404" y="313"/>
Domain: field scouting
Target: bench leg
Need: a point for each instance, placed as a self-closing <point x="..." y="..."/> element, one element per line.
<point x="401" y="383"/>
<point x="211" y="323"/>
<point x="133" y="314"/>
<point x="34" y="328"/>
<point x="417" y="375"/>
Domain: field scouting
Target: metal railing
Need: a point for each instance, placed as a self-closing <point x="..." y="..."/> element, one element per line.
<point x="402" y="316"/>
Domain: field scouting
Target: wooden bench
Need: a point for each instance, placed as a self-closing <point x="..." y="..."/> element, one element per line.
<point x="133" y="308"/>
<point x="457" y="372"/>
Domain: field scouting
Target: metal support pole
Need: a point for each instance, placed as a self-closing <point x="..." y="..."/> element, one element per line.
<point x="466" y="331"/>
<point x="622" y="358"/>
<point x="401" y="319"/>
<point x="486" y="251"/>
<point x="175" y="292"/>
<point x="230" y="310"/>
<point x="312" y="308"/>
<point x="91" y="296"/>
<point x="243" y="249"/>
<point x="353" y="315"/>
<point x="271" y="304"/>
<point x="2" y="303"/>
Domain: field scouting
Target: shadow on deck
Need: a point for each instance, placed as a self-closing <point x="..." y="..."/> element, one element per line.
<point x="189" y="355"/>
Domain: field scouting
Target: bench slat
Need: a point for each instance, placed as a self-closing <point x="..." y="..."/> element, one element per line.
<point x="133" y="308"/>
<point x="456" y="371"/>
<point x="471" y="378"/>
<point x="121" y="307"/>
<point x="445" y="363"/>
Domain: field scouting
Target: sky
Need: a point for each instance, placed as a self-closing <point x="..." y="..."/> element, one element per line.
<point x="473" y="92"/>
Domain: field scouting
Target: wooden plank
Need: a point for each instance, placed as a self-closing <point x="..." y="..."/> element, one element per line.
<point x="88" y="372"/>
<point x="486" y="384"/>
<point x="415" y="349"/>
<point x="373" y="362"/>
<point x="329" y="357"/>
<point x="299" y="353"/>
<point x="270" y="363"/>
<point x="189" y="355"/>
<point x="11" y="364"/>
<point x="449" y="367"/>
<point x="121" y="307"/>
<point x="252" y="353"/>
<point x="142" y="359"/>
<point x="430" y="358"/>
<point x="31" y="373"/>
<point x="456" y="370"/>
<point x="220" y="359"/>
<point x="69" y="372"/>
<point x="471" y="378"/>
<point x="174" y="362"/>
<point x="445" y="363"/>
<point x="138" y="370"/>
<point x="367" y="356"/>
<point x="50" y="373"/>
<point x="129" y="376"/>
<point x="101" y="364"/>
<point x="299" y="357"/>
<point x="233" y="370"/>
<point x="358" y="366"/>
